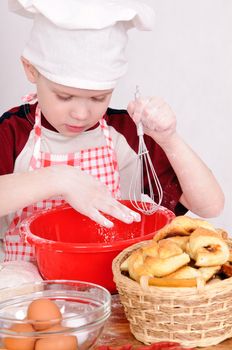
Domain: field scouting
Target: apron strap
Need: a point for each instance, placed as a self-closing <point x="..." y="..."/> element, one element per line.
<point x="35" y="159"/>
<point x="109" y="142"/>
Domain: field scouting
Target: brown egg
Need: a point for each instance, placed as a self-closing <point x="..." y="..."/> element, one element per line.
<point x="14" y="343"/>
<point x="43" y="311"/>
<point x="57" y="342"/>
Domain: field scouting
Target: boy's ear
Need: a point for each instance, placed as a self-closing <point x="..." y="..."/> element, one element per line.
<point x="31" y="72"/>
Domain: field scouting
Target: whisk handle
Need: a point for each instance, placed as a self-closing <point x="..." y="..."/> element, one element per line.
<point x="140" y="131"/>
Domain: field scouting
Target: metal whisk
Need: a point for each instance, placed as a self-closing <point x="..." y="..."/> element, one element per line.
<point x="146" y="203"/>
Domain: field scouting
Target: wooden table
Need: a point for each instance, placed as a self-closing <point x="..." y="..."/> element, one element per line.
<point x="117" y="331"/>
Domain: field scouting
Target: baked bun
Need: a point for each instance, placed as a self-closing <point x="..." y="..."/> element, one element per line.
<point x="207" y="248"/>
<point x="180" y="241"/>
<point x="188" y="272"/>
<point x="186" y="276"/>
<point x="157" y="259"/>
<point x="181" y="226"/>
<point x="185" y="272"/>
<point x="188" y="252"/>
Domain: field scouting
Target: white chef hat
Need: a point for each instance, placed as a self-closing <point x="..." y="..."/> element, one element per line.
<point x="81" y="43"/>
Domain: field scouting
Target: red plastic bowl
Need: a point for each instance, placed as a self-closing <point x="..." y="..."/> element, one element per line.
<point x="69" y="245"/>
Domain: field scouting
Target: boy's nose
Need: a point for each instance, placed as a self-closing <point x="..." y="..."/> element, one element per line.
<point x="79" y="115"/>
<point x="79" y="111"/>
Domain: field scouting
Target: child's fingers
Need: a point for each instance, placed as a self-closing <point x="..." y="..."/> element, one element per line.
<point x="112" y="208"/>
<point x="159" y="122"/>
<point x="118" y="211"/>
<point x="99" y="218"/>
<point x="123" y="213"/>
<point x="158" y="116"/>
<point x="136" y="109"/>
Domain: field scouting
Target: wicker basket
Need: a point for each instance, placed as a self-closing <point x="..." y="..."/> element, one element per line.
<point x="186" y="315"/>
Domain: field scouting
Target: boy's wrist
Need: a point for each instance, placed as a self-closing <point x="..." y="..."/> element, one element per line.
<point x="51" y="180"/>
<point x="168" y="142"/>
<point x="61" y="177"/>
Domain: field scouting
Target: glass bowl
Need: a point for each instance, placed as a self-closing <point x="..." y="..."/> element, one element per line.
<point x="84" y="307"/>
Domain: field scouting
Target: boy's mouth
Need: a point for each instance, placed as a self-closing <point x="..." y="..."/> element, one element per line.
<point x="75" y="129"/>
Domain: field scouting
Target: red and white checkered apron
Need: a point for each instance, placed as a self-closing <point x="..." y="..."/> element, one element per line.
<point x="100" y="162"/>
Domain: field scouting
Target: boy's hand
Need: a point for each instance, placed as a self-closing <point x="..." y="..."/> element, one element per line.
<point x="90" y="197"/>
<point x="157" y="117"/>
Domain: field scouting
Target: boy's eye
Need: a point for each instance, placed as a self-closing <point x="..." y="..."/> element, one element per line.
<point x="64" y="98"/>
<point x="99" y="99"/>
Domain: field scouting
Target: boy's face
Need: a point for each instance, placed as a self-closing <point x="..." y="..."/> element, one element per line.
<point x="70" y="110"/>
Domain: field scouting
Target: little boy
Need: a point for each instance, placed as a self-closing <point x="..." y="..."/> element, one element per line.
<point x="65" y="144"/>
